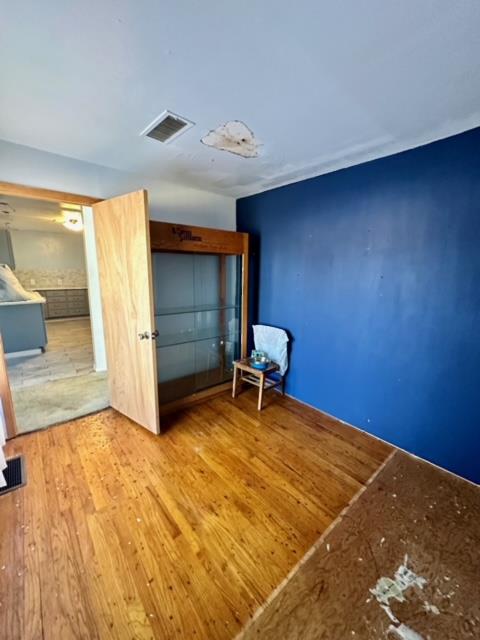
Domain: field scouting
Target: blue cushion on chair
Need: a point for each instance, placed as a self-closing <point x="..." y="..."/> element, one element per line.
<point x="275" y="376"/>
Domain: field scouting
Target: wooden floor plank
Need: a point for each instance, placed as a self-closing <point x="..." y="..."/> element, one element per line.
<point x="122" y="534"/>
<point x="12" y="563"/>
<point x="34" y="543"/>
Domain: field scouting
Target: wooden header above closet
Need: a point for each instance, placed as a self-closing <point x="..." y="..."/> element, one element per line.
<point x="169" y="236"/>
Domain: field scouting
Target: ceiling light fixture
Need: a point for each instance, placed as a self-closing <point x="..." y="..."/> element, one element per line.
<point x="73" y="220"/>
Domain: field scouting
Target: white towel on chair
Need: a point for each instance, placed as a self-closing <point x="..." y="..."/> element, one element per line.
<point x="273" y="342"/>
<point x="3" y="433"/>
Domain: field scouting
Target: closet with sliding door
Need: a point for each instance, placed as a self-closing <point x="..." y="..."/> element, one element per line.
<point x="174" y="301"/>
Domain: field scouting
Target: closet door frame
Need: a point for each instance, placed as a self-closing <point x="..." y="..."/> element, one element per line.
<point x="178" y="238"/>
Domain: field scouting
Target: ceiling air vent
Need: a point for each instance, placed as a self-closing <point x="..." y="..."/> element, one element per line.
<point x="167" y="127"/>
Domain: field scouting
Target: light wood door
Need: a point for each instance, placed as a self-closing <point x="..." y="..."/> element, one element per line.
<point x="124" y="261"/>
<point x="6" y="396"/>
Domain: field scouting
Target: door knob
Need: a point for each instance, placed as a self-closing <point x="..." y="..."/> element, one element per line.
<point x="154" y="335"/>
<point x="144" y="336"/>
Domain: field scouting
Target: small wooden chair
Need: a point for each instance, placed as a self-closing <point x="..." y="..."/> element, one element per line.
<point x="244" y="372"/>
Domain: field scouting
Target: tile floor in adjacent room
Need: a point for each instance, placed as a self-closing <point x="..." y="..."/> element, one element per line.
<point x="69" y="353"/>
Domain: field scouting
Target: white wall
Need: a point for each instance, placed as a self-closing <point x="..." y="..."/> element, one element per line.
<point x="169" y="202"/>
<point x="44" y="250"/>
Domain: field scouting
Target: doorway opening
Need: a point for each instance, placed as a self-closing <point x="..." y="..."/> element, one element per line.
<point x="49" y="315"/>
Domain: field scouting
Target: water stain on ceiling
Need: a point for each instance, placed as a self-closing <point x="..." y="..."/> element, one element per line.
<point x="235" y="137"/>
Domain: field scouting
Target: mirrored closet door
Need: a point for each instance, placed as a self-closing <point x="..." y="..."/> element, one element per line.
<point x="197" y="298"/>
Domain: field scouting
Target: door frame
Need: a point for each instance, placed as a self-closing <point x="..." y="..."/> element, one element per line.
<point x="37" y="193"/>
<point x="6" y="397"/>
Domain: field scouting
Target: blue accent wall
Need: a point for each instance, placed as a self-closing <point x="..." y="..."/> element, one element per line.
<point x="375" y="272"/>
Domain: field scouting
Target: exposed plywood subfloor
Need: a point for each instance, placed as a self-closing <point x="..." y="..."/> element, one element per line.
<point x="413" y="516"/>
<point x="122" y="534"/>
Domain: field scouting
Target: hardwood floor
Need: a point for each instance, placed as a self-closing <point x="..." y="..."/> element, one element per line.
<point x="123" y="534"/>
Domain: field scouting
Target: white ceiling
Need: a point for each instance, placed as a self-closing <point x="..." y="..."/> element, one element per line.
<point x="322" y="84"/>
<point x="26" y="214"/>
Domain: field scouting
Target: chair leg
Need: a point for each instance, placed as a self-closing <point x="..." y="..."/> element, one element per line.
<point x="260" y="392"/>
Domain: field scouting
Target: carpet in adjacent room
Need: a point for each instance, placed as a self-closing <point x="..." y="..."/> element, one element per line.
<point x="40" y="406"/>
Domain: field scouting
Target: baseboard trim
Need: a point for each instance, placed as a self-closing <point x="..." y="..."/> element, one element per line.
<point x="372" y="435"/>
